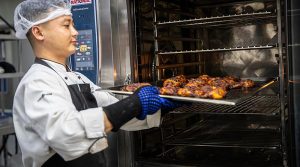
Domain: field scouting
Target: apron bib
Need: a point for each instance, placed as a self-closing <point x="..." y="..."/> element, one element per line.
<point x="83" y="99"/>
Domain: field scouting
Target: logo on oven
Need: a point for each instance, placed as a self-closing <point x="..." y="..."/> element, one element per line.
<point x="80" y="2"/>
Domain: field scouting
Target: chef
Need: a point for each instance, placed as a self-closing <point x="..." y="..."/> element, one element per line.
<point x="60" y="118"/>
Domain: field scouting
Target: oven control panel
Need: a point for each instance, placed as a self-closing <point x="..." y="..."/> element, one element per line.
<point x="85" y="59"/>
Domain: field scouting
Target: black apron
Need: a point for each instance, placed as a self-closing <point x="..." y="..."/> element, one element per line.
<point x="83" y="99"/>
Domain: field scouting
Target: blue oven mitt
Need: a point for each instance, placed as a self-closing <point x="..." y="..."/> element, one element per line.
<point x="151" y="102"/>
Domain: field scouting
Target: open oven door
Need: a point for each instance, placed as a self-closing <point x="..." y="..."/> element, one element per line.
<point x="293" y="51"/>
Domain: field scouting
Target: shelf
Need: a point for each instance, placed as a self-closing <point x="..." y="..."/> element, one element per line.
<point x="6" y="125"/>
<point x="174" y="11"/>
<point x="239" y="139"/>
<point x="178" y="65"/>
<point x="255" y="105"/>
<point x="218" y="50"/>
<point x="178" y="39"/>
<point x="8" y="37"/>
<point x="223" y="20"/>
<point x="221" y="3"/>
<point x="239" y="133"/>
<point x="11" y="75"/>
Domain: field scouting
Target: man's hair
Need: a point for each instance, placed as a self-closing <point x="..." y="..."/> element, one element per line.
<point x="30" y="38"/>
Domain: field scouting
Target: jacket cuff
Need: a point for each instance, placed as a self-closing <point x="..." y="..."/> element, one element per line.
<point x="93" y="123"/>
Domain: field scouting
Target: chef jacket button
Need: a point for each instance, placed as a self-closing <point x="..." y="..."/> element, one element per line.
<point x="66" y="78"/>
<point x="79" y="77"/>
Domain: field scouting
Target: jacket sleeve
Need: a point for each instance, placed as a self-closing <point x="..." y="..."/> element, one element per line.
<point x="71" y="133"/>
<point x="105" y="98"/>
<point x="150" y="122"/>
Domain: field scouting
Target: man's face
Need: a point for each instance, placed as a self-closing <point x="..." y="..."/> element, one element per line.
<point x="60" y="36"/>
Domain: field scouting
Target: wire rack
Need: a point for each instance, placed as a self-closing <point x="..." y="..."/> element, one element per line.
<point x="219" y="132"/>
<point x="256" y="105"/>
<point x="223" y="20"/>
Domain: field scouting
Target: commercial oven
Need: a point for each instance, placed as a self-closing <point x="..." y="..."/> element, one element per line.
<point x="246" y="39"/>
<point x="152" y="40"/>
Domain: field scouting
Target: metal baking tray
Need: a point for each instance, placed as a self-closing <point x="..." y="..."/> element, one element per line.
<point x="232" y="98"/>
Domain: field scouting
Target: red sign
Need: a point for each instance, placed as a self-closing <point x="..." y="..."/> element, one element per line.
<point x="80" y="2"/>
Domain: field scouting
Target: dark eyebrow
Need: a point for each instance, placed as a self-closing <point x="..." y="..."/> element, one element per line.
<point x="68" y="20"/>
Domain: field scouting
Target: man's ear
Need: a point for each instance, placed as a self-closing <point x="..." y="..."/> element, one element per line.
<point x="37" y="32"/>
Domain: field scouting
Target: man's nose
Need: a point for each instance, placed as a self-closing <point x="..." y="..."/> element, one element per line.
<point x="74" y="31"/>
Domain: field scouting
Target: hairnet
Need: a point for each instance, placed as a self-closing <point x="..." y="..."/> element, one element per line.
<point x="33" y="12"/>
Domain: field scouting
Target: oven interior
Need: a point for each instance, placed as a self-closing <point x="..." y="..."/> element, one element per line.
<point x="217" y="38"/>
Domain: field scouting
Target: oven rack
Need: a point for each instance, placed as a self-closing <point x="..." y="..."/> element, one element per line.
<point x="222" y="20"/>
<point x="239" y="133"/>
<point x="254" y="139"/>
<point x="218" y="50"/>
<point x="178" y="65"/>
<point x="173" y="11"/>
<point x="254" y="105"/>
<point x="178" y="39"/>
<point x="182" y="156"/>
<point x="219" y="3"/>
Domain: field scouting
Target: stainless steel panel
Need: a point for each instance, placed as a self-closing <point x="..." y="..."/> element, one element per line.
<point x="114" y="64"/>
<point x="106" y="66"/>
<point x="114" y="42"/>
<point x="120" y="40"/>
<point x="247" y="63"/>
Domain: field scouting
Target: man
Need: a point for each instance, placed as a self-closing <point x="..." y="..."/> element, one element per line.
<point x="60" y="119"/>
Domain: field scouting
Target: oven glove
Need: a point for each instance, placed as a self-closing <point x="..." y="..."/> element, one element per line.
<point x="143" y="102"/>
<point x="169" y="105"/>
<point x="151" y="102"/>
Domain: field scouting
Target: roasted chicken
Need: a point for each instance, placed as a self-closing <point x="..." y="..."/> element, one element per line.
<point x="170" y="90"/>
<point x="175" y="81"/>
<point x="202" y="87"/>
<point x="133" y="87"/>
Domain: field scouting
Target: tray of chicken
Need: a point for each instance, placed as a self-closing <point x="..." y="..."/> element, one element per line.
<point x="226" y="90"/>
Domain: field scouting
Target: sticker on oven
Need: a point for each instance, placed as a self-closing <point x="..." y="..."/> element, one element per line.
<point x="80" y="2"/>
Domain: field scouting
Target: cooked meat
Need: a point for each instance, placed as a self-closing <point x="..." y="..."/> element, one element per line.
<point x="180" y="78"/>
<point x="171" y="83"/>
<point x="201" y="93"/>
<point x="218" y="82"/>
<point x="133" y="87"/>
<point x="204" y="77"/>
<point x="206" y="91"/>
<point x="247" y="83"/>
<point x="233" y="82"/>
<point x="186" y="92"/>
<point x="175" y="81"/>
<point x="170" y="90"/>
<point x="195" y="82"/>
<point x="217" y="93"/>
<point x="203" y="87"/>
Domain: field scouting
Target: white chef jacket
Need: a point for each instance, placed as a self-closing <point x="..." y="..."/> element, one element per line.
<point x="46" y="121"/>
